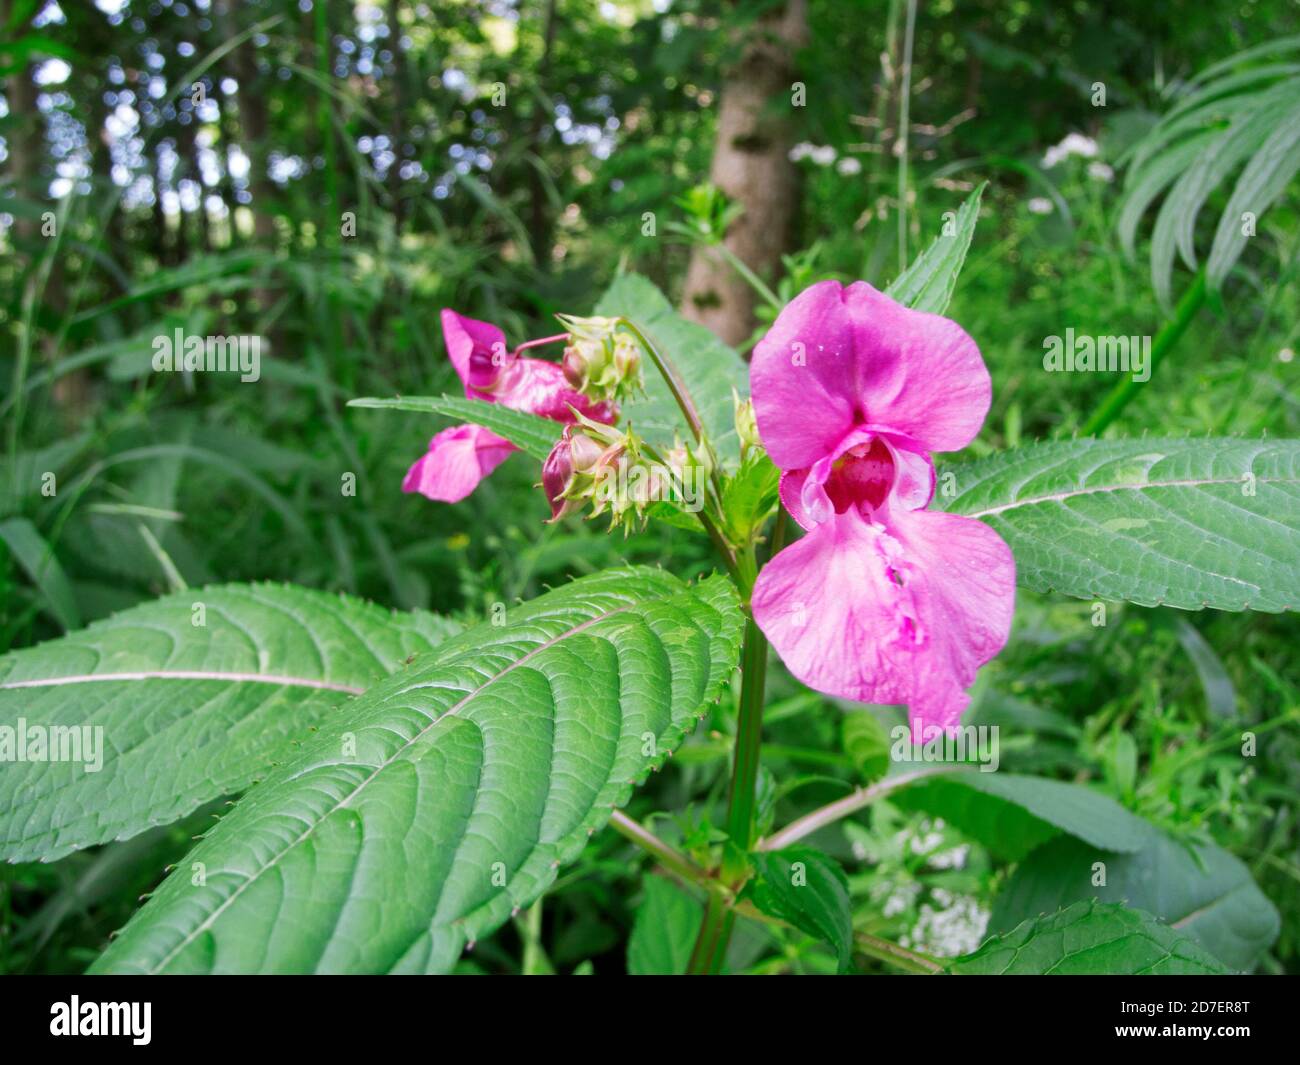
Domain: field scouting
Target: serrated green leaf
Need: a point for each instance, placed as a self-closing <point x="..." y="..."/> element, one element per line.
<point x="663" y="934"/>
<point x="1184" y="523"/>
<point x="928" y="283"/>
<point x="809" y="890"/>
<point x="189" y="712"/>
<point x="1090" y="938"/>
<point x="532" y="435"/>
<point x="749" y="498"/>
<point x="451" y="793"/>
<point x="709" y="368"/>
<point x="1012" y="814"/>
<point x="1201" y="890"/>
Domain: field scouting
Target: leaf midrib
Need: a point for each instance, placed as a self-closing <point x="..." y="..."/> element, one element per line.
<point x="451" y="711"/>
<point x="1060" y="497"/>
<point x="184" y="674"/>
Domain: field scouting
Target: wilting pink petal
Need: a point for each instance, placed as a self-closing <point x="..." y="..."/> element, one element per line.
<point x="493" y="374"/>
<point x="477" y="351"/>
<point x="457" y="459"/>
<point x="840" y="359"/>
<point x="904" y="613"/>
<point x="540" y="388"/>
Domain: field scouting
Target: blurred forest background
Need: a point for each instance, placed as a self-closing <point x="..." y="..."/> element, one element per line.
<point x="329" y="174"/>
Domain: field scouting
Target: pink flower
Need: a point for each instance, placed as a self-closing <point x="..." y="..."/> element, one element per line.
<point x="882" y="601"/>
<point x="459" y="457"/>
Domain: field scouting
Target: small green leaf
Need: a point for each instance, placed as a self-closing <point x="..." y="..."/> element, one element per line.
<point x="663" y="934"/>
<point x="1090" y="939"/>
<point x="532" y="435"/>
<point x="750" y="496"/>
<point x="38" y="561"/>
<point x="867" y="743"/>
<point x="809" y="890"/>
<point x="928" y="283"/>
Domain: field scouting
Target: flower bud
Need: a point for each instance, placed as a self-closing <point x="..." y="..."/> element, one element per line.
<point x="600" y="361"/>
<point x="575" y="466"/>
<point x="557" y="477"/>
<point x="746" y="422"/>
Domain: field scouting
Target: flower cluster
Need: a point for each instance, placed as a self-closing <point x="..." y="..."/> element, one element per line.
<point x="460" y="457"/>
<point x="882" y="600"/>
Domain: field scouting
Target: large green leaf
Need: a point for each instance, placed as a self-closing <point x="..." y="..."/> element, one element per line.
<point x="709" y="368"/>
<point x="1186" y="523"/>
<point x="1090" y="939"/>
<point x="1201" y="890"/>
<point x="189" y="711"/>
<point x="451" y="792"/>
<point x="928" y="283"/>
<point x="1012" y="814"/>
<point x="532" y="435"/>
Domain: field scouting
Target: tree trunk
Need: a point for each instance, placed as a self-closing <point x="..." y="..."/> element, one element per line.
<point x="751" y="164"/>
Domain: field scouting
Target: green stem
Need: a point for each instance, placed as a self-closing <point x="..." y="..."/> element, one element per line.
<point x="749" y="737"/>
<point x="711" y="944"/>
<point x="706" y="954"/>
<point x="900" y="957"/>
<point x="635" y="832"/>
<point x="1168" y="336"/>
<point x="841" y="808"/>
<point x="904" y="114"/>
<point x="755" y="282"/>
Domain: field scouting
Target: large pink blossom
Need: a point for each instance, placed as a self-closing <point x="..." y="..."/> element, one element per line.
<point x="460" y="457"/>
<point x="882" y="600"/>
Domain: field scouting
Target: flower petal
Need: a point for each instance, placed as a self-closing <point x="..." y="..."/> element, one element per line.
<point x="900" y="614"/>
<point x="838" y="620"/>
<point x="804" y="495"/>
<point x="802" y="378"/>
<point x="838" y="358"/>
<point x="457" y="459"/>
<point x="962" y="578"/>
<point x="465" y="336"/>
<point x="540" y="388"/>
